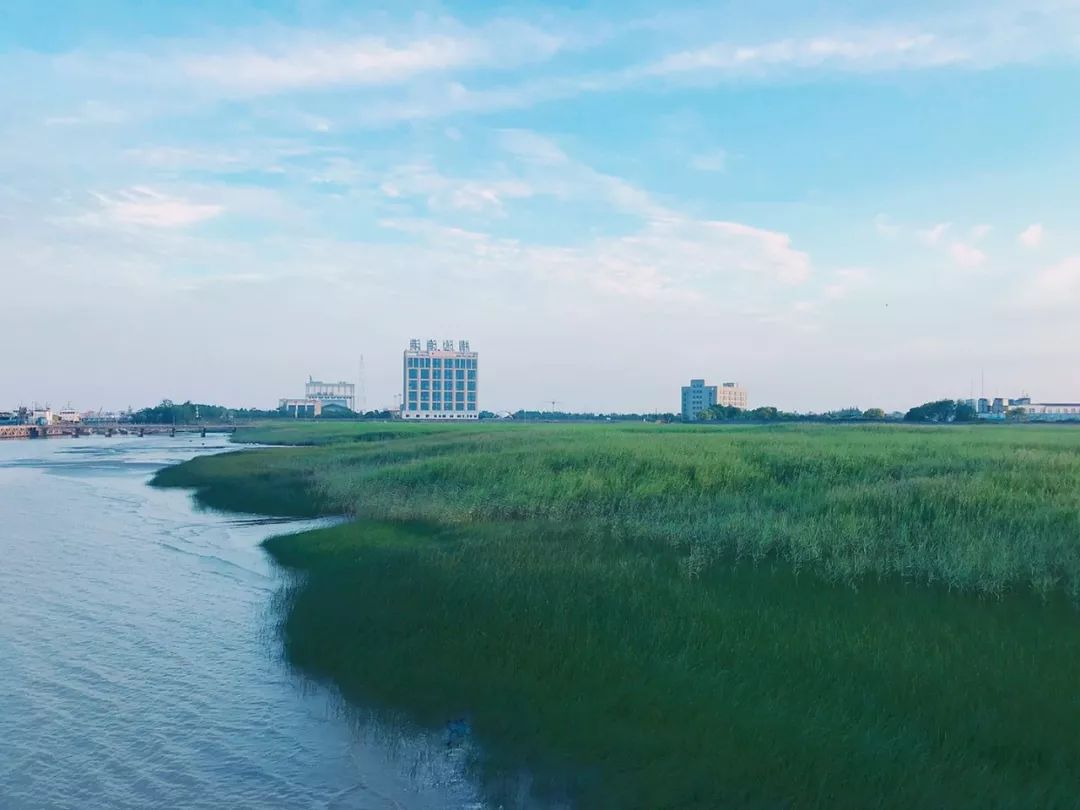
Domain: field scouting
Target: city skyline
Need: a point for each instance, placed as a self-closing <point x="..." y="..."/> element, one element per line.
<point x="865" y="207"/>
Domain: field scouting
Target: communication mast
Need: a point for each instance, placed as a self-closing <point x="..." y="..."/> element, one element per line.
<point x="361" y="394"/>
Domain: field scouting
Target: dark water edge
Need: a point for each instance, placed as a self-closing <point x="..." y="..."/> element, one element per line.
<point x="141" y="660"/>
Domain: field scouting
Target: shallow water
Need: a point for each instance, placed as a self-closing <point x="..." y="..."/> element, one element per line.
<point x="139" y="664"/>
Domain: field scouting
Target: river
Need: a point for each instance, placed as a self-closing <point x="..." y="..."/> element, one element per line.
<point x="139" y="662"/>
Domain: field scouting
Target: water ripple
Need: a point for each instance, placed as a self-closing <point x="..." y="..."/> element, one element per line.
<point x="139" y="664"/>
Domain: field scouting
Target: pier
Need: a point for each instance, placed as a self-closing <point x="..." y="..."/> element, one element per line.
<point x="76" y="429"/>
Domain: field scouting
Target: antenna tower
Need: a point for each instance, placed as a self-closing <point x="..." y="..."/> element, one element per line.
<point x="361" y="394"/>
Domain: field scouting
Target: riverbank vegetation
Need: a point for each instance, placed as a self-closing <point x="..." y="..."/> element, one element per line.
<point x="677" y="616"/>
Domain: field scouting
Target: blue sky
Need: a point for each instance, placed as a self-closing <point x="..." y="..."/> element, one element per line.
<point x="855" y="206"/>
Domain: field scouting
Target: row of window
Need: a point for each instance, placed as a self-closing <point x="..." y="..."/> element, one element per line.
<point x="424" y="406"/>
<point x="441" y="416"/>
<point x="426" y="386"/>
<point x="437" y="398"/>
<point x="438" y="362"/>
<point x="448" y="374"/>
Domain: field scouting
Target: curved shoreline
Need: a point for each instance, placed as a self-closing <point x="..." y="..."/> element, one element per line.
<point x="624" y="673"/>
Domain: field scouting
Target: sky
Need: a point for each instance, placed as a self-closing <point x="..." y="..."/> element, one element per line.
<point x="834" y="204"/>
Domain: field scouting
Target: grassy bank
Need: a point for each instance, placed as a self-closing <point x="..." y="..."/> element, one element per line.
<point x="674" y="617"/>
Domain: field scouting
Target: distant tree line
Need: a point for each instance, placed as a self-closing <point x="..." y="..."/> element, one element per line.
<point x="729" y="413"/>
<point x="571" y="416"/>
<point x="187" y="413"/>
<point x="942" y="411"/>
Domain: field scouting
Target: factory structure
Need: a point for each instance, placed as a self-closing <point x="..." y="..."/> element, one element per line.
<point x="698" y="397"/>
<point x="1023" y="407"/>
<point x="439" y="381"/>
<point x="320" y="396"/>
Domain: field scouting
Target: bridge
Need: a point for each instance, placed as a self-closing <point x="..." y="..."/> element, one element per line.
<point x="76" y="429"/>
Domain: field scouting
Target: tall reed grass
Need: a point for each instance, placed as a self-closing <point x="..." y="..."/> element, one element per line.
<point x="654" y="617"/>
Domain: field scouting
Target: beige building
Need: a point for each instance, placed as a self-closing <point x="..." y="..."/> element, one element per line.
<point x="731" y="395"/>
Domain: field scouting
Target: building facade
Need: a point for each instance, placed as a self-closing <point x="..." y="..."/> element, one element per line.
<point x="331" y="393"/>
<point x="440" y="381"/>
<point x="1051" y="411"/>
<point x="732" y="395"/>
<point x="698" y="397"/>
<point x="301" y="408"/>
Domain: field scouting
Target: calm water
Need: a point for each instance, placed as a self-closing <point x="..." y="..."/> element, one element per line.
<point x="138" y="661"/>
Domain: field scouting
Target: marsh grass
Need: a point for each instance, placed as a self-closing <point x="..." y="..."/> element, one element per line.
<point x="682" y="617"/>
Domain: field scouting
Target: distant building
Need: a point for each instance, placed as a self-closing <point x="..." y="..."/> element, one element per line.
<point x="41" y="416"/>
<point x="1051" y="411"/>
<point x="731" y="394"/>
<point x="335" y="393"/>
<point x="301" y="408"/>
<point x="698" y="397"/>
<point x="69" y="416"/>
<point x="439" y="381"/>
<point x="999" y="408"/>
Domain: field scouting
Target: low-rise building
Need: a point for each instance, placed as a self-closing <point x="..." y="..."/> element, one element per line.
<point x="331" y="393"/>
<point x="1051" y="411"/>
<point x="302" y="407"/>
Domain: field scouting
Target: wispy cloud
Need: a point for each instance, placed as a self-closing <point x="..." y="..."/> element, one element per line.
<point x="865" y="50"/>
<point x="140" y="206"/>
<point x="445" y="193"/>
<point x="885" y="227"/>
<point x="1032" y="236"/>
<point x="966" y="256"/>
<point x="712" y="161"/>
<point x="1056" y="287"/>
<point x="934" y="234"/>
<point x="669" y="257"/>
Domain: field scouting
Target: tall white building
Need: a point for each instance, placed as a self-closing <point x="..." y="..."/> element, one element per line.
<point x="439" y="381"/>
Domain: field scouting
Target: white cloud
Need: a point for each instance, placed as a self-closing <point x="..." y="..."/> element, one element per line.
<point x="670" y="257"/>
<point x="885" y="227"/>
<point x="89" y="113"/>
<point x="714" y="161"/>
<point x="965" y="255"/>
<point x="444" y="193"/>
<point x="1055" y="287"/>
<point x="144" y="206"/>
<point x="861" y="50"/>
<point x="934" y="234"/>
<point x="1032" y="236"/>
<point x="980" y="232"/>
<point x="844" y="283"/>
<point x="313" y="62"/>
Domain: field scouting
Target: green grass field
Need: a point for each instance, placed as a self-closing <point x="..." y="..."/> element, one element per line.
<point x="651" y="616"/>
